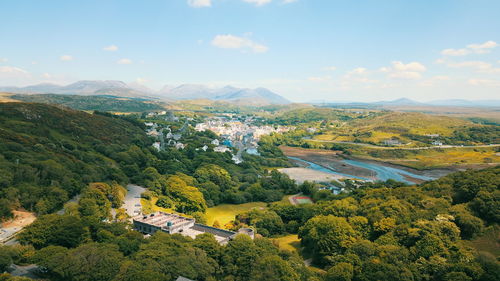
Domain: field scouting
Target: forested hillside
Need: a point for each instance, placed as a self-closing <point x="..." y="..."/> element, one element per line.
<point x="48" y="153"/>
<point x="379" y="231"/>
<point x="100" y="103"/>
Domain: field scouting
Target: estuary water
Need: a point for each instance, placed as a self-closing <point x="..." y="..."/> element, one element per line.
<point x="380" y="172"/>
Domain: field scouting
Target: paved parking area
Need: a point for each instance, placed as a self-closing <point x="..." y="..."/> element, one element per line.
<point x="132" y="201"/>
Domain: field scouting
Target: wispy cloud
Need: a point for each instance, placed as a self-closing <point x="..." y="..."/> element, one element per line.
<point x="479" y="66"/>
<point x="124" y="61"/>
<point x="330" y="68"/>
<point x="12" y="70"/>
<point x="358" y="71"/>
<point x="229" y="41"/>
<point x="258" y="2"/>
<point x="3" y="60"/>
<point x="400" y="70"/>
<point x="66" y="58"/>
<point x="199" y="3"/>
<point x="483" y="82"/>
<point x="482" y="48"/>
<point x="111" y="48"/>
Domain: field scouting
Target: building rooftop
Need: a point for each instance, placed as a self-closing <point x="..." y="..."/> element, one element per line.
<point x="173" y="223"/>
<point x="161" y="219"/>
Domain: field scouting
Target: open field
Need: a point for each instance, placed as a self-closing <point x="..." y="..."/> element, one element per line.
<point x="452" y="158"/>
<point x="226" y="213"/>
<point x="6" y="97"/>
<point x="407" y="129"/>
<point x="488" y="113"/>
<point x="289" y="242"/>
<point x="488" y="242"/>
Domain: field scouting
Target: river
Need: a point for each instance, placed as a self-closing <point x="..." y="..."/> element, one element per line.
<point x="380" y="172"/>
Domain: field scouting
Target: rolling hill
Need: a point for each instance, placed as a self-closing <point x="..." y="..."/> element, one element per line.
<point x="258" y="96"/>
<point x="100" y="103"/>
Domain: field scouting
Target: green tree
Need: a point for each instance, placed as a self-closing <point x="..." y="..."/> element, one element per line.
<point x="65" y="230"/>
<point x="340" y="272"/>
<point x="273" y="268"/>
<point x="327" y="235"/>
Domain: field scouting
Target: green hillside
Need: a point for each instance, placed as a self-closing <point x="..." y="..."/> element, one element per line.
<point x="100" y="103"/>
<point x="48" y="154"/>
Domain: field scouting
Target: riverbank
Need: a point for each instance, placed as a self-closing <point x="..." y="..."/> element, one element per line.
<point x="302" y="174"/>
<point x="338" y="163"/>
<point x="328" y="159"/>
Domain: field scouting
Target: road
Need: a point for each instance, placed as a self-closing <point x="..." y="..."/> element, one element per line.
<point x="132" y="201"/>
<point x="404" y="148"/>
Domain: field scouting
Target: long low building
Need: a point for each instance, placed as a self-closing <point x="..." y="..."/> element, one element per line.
<point x="174" y="223"/>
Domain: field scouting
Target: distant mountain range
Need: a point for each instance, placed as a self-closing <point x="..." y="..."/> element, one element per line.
<point x="405" y="102"/>
<point x="258" y="96"/>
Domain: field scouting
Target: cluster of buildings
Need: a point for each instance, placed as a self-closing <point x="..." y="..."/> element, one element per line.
<point x="174" y="223"/>
<point x="242" y="135"/>
<point x="234" y="134"/>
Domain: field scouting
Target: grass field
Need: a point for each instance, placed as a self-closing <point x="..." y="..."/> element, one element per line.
<point x="290" y="242"/>
<point x="393" y="125"/>
<point x="5" y="97"/>
<point x="488" y="242"/>
<point x="227" y="212"/>
<point x="433" y="158"/>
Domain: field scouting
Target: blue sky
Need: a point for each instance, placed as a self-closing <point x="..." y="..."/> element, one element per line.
<point x="305" y="50"/>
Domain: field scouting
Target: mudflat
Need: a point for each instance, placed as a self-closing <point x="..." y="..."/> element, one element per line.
<point x="327" y="158"/>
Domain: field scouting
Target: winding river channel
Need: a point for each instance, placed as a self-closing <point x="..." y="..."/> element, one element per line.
<point x="380" y="172"/>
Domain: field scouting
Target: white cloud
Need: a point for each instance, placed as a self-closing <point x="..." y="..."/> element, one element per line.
<point x="229" y="41"/>
<point x="259" y="2"/>
<point x="434" y="80"/>
<point x="111" y="48"/>
<point x="440" y="61"/>
<point x="483" y="48"/>
<point x="66" y="58"/>
<point x="330" y="68"/>
<point x="141" y="80"/>
<point x="124" y="61"/>
<point x="405" y="75"/>
<point x="400" y="70"/>
<point x="479" y="66"/>
<point x="412" y="66"/>
<point x="46" y="76"/>
<point x="483" y="82"/>
<point x="358" y="71"/>
<point x="455" y="52"/>
<point x="320" y="78"/>
<point x="12" y="70"/>
<point x="471" y="49"/>
<point x="199" y="3"/>
<point x="3" y="60"/>
<point x="289" y="1"/>
<point x="11" y="75"/>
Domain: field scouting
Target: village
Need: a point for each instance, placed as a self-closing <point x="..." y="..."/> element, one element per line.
<point x="237" y="134"/>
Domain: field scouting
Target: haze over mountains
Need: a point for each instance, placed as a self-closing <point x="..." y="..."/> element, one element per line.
<point x="243" y="96"/>
<point x="405" y="102"/>
<point x="258" y="96"/>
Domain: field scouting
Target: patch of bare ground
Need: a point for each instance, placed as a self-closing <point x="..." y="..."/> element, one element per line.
<point x="21" y="219"/>
<point x="328" y="159"/>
